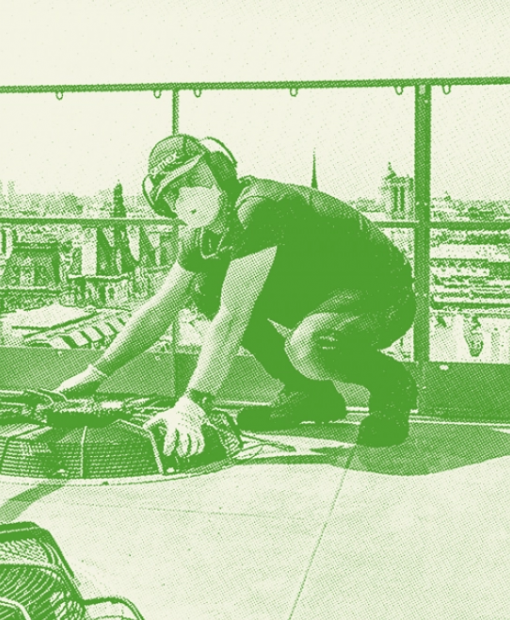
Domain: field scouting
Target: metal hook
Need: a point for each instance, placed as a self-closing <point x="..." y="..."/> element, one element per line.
<point x="447" y="89"/>
<point x="157" y="94"/>
<point x="399" y="90"/>
<point x="294" y="92"/>
<point x="197" y="92"/>
<point x="59" y="95"/>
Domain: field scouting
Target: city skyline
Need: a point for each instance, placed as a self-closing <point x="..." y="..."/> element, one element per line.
<point x="54" y="202"/>
<point x="82" y="144"/>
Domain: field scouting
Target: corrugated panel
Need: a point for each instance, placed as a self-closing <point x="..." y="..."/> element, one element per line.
<point x="78" y="338"/>
<point x="118" y="451"/>
<point x="29" y="458"/>
<point x="116" y="324"/>
<point x="92" y="333"/>
<point x="105" y="329"/>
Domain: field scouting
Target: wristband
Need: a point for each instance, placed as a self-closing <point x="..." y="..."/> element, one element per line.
<point x="202" y="399"/>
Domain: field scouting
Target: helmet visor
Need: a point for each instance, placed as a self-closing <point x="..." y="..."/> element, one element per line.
<point x="162" y="192"/>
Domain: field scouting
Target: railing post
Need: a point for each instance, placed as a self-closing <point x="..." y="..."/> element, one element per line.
<point x="422" y="176"/>
<point x="175" y="324"/>
<point x="175" y="112"/>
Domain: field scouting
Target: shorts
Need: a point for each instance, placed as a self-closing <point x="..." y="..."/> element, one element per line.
<point x="374" y="318"/>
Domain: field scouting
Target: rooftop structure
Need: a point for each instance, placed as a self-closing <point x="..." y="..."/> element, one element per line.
<point x="62" y="327"/>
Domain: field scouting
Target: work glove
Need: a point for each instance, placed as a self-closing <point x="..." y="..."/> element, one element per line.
<point x="182" y="425"/>
<point x="83" y="384"/>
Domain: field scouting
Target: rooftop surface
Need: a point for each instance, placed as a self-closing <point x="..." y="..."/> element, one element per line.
<point x="47" y="316"/>
<point x="323" y="529"/>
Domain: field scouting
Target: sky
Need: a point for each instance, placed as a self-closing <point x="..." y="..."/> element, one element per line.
<point x="88" y="142"/>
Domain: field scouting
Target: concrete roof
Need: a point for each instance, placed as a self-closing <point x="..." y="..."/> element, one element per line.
<point x="46" y="317"/>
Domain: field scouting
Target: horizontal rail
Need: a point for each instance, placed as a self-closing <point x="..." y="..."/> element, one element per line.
<point x="87" y="221"/>
<point x="140" y="221"/>
<point x="463" y="225"/>
<point x="395" y="223"/>
<point x="260" y="85"/>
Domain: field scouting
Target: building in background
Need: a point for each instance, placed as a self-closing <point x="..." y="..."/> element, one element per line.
<point x="446" y="208"/>
<point x="11" y="193"/>
<point x="104" y="267"/>
<point x="397" y="196"/>
<point x="96" y="269"/>
<point x="113" y="271"/>
<point x="33" y="273"/>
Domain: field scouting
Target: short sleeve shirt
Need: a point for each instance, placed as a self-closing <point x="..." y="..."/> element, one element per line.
<point x="322" y="245"/>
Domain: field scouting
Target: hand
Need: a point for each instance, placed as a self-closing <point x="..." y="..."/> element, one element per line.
<point x="83" y="384"/>
<point x="183" y="428"/>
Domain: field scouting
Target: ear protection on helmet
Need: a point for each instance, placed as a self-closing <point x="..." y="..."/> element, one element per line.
<point x="222" y="163"/>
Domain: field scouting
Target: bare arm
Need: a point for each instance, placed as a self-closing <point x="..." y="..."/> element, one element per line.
<point x="149" y="322"/>
<point x="243" y="283"/>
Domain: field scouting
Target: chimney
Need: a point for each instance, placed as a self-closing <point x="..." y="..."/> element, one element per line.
<point x="133" y="235"/>
<point x="89" y="251"/>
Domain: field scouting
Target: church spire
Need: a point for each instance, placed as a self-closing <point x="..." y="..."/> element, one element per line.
<point x="391" y="173"/>
<point x="314" y="183"/>
<point x="119" y="208"/>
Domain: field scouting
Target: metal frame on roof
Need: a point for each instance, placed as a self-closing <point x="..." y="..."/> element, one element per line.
<point x="423" y="88"/>
<point x="157" y="88"/>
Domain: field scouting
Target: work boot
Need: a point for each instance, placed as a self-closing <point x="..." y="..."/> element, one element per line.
<point x="388" y="421"/>
<point x="290" y="408"/>
<point x="382" y="430"/>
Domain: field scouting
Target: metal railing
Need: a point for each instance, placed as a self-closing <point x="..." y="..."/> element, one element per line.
<point x="422" y="226"/>
<point x="159" y="87"/>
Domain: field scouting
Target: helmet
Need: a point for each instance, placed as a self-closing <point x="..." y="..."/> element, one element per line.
<point x="175" y="156"/>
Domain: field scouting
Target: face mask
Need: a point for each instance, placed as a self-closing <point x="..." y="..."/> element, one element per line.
<point x="198" y="206"/>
